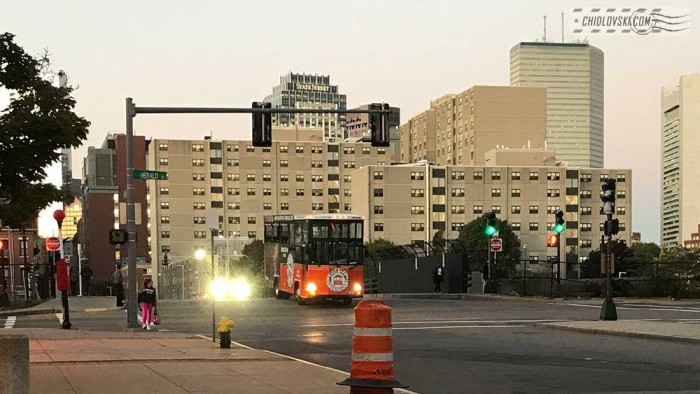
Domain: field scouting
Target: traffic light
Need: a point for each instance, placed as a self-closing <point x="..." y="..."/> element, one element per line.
<point x="379" y="123"/>
<point x="559" y="222"/>
<point x="490" y="230"/>
<point x="165" y="260"/>
<point x="3" y="245"/>
<point x="466" y="281"/>
<point x="608" y="196"/>
<point x="612" y="227"/>
<point x="262" y="126"/>
<point x="553" y="241"/>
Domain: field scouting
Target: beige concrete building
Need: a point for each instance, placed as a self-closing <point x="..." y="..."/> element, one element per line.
<point x="680" y="161"/>
<point x="243" y="183"/>
<point x="460" y="129"/>
<point x="573" y="75"/>
<point x="410" y="203"/>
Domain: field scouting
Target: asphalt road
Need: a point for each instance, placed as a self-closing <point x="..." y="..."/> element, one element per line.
<point x="452" y="346"/>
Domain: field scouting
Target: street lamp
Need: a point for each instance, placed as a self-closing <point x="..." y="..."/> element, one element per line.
<point x="200" y="254"/>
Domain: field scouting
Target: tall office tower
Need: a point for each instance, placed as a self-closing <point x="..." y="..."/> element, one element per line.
<point x="305" y="91"/>
<point x="680" y="162"/>
<point x="573" y="74"/>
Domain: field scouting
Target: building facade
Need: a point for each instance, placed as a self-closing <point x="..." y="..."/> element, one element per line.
<point x="305" y="91"/>
<point x="459" y="129"/>
<point x="74" y="212"/>
<point x="16" y="259"/>
<point x="680" y="162"/>
<point x="104" y="199"/>
<point x="243" y="183"/>
<point x="573" y="74"/>
<point x="410" y="203"/>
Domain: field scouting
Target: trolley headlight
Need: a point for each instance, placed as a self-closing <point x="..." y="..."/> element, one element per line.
<point x="357" y="287"/>
<point x="311" y="288"/>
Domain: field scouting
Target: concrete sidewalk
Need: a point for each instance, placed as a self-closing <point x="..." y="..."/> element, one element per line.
<point x="679" y="330"/>
<point x="75" y="304"/>
<point x="63" y="361"/>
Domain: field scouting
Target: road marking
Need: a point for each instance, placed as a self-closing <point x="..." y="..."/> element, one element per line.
<point x="96" y="309"/>
<point x="674" y="309"/>
<point x="10" y="322"/>
<point x="470" y="326"/>
<point x="59" y="315"/>
<point x="443" y="322"/>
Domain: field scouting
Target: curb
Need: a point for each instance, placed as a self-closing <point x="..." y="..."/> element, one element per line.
<point x="426" y="296"/>
<point x="628" y="334"/>
<point x="29" y="312"/>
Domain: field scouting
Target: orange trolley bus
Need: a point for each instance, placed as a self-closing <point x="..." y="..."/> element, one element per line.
<point x="314" y="257"/>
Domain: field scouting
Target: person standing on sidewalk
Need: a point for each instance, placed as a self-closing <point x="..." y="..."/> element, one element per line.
<point x="147" y="300"/>
<point x="73" y="281"/>
<point x="118" y="286"/>
<point x="86" y="276"/>
<point x="438" y="278"/>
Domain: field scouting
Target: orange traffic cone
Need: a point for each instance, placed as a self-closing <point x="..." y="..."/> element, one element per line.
<point x="372" y="363"/>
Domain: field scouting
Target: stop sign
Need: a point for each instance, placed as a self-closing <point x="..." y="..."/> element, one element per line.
<point x="496" y="245"/>
<point x="53" y="244"/>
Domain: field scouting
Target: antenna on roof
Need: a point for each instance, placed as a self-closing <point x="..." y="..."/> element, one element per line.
<point x="562" y="27"/>
<point x="544" y="34"/>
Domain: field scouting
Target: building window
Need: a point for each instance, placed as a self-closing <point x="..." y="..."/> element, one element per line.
<point x="284" y="178"/>
<point x="621" y="210"/>
<point x="165" y="234"/>
<point x="495" y="175"/>
<point x="163" y="147"/>
<point x="317" y="206"/>
<point x="299" y="149"/>
<point x="495" y="192"/>
<point x="553" y="193"/>
<point x="164" y="190"/>
<point x="515" y="209"/>
<point x="457" y="175"/>
<point x="621" y="177"/>
<point x="252" y="220"/>
<point x="165" y="248"/>
<point x="378" y="226"/>
<point x="417" y="176"/>
<point x="249" y="148"/>
<point x="553" y="208"/>
<point x="496" y="209"/>
<point x="378" y="175"/>
<point x="347" y="193"/>
<point x="251" y="177"/>
<point x="457" y="226"/>
<point x="164" y="205"/>
<point x="251" y="191"/>
<point x="586" y="177"/>
<point x="267" y="192"/>
<point x="417" y="210"/>
<point x="232" y="148"/>
<point x="349" y="150"/>
<point x="621" y="194"/>
<point x="232" y="162"/>
<point x="284" y="149"/>
<point x="233" y="177"/>
<point x="199" y="220"/>
<point x="165" y="219"/>
<point x="347" y="178"/>
<point x="284" y="192"/>
<point x="534" y="209"/>
<point x="586" y="194"/>
<point x="234" y="205"/>
<point x="417" y="227"/>
<point x="349" y="164"/>
<point x="515" y="176"/>
<point x="515" y="192"/>
<point x="284" y="206"/>
<point x="284" y="163"/>
<point x="198" y="162"/>
<point x="585" y="243"/>
<point x="515" y="226"/>
<point x="417" y="193"/>
<point x="266" y="163"/>
<point x="234" y="220"/>
<point x="316" y="149"/>
<point x="316" y="164"/>
<point x="300" y="178"/>
<point x="534" y="226"/>
<point x="233" y="191"/>
<point x="347" y="207"/>
<point x="553" y="176"/>
<point x="457" y="209"/>
<point x="316" y="178"/>
<point x="252" y="234"/>
<point x="457" y="192"/>
<point x="199" y="206"/>
<point x="300" y="192"/>
<point x="197" y="177"/>
<point x="478" y="209"/>
<point x="603" y="177"/>
<point x="534" y="176"/>
<point x="586" y="210"/>
<point x="586" y="227"/>
<point x="378" y="209"/>
<point x="478" y="175"/>
<point x="381" y="151"/>
<point x="197" y="148"/>
<point x="378" y="192"/>
<point x="198" y="191"/>
<point x="317" y="192"/>
<point x="163" y="161"/>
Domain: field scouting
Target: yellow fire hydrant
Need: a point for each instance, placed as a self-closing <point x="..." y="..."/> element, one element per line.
<point x="224" y="329"/>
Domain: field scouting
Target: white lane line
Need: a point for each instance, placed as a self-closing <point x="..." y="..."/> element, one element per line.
<point x="10" y="322"/>
<point x="444" y="321"/>
<point x="639" y="309"/>
<point x="451" y="327"/>
<point x="59" y="315"/>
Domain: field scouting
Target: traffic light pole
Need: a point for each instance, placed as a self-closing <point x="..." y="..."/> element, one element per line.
<point x="609" y="311"/>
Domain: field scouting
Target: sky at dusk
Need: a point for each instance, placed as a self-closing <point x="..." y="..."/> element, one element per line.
<point x="230" y="53"/>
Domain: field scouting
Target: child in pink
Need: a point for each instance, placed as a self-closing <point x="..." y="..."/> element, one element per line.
<point x="147" y="300"/>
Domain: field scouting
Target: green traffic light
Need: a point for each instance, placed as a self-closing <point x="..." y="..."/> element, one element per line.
<point x="490" y="230"/>
<point x="558" y="228"/>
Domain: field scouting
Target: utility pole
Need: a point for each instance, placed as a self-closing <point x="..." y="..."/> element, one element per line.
<point x="609" y="311"/>
<point x="132" y="308"/>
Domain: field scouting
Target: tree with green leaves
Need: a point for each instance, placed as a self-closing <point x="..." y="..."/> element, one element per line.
<point x="253" y="257"/>
<point x="645" y="252"/>
<point x="33" y="128"/>
<point x="378" y="244"/>
<point x="478" y="245"/>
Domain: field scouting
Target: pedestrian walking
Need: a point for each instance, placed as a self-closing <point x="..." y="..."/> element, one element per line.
<point x="147" y="300"/>
<point x="118" y="286"/>
<point x="73" y="281"/>
<point x="438" y="278"/>
<point x="86" y="276"/>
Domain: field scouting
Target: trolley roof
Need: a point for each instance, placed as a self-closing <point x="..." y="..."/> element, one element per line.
<point x="327" y="216"/>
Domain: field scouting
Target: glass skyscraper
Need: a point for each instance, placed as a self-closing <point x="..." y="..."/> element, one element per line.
<point x="305" y="91"/>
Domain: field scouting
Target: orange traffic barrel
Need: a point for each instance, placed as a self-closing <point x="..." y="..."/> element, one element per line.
<point x="372" y="362"/>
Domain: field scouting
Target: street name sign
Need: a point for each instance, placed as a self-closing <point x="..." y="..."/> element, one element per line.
<point x="153" y="175"/>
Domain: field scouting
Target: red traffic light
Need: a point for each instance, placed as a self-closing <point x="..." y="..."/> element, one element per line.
<point x="3" y="244"/>
<point x="553" y="241"/>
